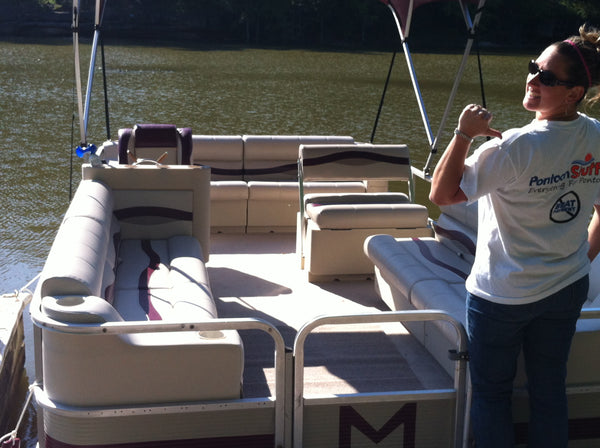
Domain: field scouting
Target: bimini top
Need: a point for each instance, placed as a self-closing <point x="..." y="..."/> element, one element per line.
<point x="405" y="8"/>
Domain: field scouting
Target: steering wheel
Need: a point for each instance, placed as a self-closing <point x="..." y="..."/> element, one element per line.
<point x="146" y="162"/>
<point x="157" y="162"/>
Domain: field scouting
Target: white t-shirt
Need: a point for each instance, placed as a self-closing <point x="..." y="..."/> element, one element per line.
<point x="536" y="188"/>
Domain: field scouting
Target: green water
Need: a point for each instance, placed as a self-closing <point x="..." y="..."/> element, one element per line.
<point x="226" y="91"/>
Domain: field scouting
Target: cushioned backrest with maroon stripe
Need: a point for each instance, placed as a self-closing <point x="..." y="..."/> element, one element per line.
<point x="151" y="141"/>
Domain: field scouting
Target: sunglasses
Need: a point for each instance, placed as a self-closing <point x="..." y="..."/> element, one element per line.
<point x="546" y="77"/>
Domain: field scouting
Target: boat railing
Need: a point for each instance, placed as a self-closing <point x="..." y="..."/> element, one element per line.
<point x="416" y="172"/>
<point x="122" y="328"/>
<point x="459" y="392"/>
<point x="590" y="313"/>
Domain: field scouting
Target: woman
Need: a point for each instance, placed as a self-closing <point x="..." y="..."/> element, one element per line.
<point x="535" y="188"/>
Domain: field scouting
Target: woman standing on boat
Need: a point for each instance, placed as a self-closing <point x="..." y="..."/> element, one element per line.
<point x="535" y="187"/>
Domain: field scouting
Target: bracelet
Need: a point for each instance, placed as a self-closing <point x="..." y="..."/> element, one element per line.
<point x="463" y="135"/>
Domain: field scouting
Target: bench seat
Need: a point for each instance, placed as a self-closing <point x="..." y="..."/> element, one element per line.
<point x="364" y="211"/>
<point x="430" y="273"/>
<point x="163" y="280"/>
<point x="334" y="225"/>
<point x="420" y="274"/>
<point x="274" y="205"/>
<point x="254" y="178"/>
<point x="107" y="265"/>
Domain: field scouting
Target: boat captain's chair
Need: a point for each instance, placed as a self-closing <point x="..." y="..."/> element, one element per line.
<point x="332" y="227"/>
<point x="163" y="143"/>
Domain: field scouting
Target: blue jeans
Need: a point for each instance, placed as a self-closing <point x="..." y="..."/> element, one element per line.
<point x="497" y="333"/>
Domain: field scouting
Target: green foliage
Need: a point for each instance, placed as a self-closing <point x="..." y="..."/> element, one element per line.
<point x="515" y="24"/>
<point x="583" y="8"/>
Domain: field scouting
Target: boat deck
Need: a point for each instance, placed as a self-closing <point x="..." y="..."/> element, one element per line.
<point x="259" y="275"/>
<point x="12" y="354"/>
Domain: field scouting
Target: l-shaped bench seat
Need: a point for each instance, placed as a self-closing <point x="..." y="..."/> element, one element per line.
<point x="430" y="273"/>
<point x="109" y="264"/>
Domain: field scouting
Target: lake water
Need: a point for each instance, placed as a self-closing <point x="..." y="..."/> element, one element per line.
<point x="225" y="91"/>
<point x="235" y="91"/>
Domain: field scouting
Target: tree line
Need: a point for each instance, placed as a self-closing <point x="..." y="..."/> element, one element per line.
<point x="359" y="24"/>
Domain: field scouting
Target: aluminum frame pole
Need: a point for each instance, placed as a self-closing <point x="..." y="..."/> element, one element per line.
<point x="471" y="25"/>
<point x="75" y="29"/>
<point x="88" y="95"/>
<point x="413" y="77"/>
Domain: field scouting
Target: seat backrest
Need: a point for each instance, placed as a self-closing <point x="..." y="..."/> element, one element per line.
<point x="275" y="157"/>
<point x="82" y="256"/>
<point x="343" y="162"/>
<point x="223" y="153"/>
<point x="158" y="202"/>
<point x="163" y="142"/>
<point x="354" y="162"/>
<point x="456" y="228"/>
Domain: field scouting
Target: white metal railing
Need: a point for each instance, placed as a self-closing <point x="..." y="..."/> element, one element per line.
<point x="120" y="328"/>
<point x="461" y="388"/>
<point x="460" y="377"/>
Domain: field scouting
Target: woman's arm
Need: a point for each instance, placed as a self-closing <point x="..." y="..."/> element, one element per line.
<point x="445" y="185"/>
<point x="594" y="234"/>
<point x="474" y="121"/>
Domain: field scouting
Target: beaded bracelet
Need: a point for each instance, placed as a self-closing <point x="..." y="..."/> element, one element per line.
<point x="463" y="135"/>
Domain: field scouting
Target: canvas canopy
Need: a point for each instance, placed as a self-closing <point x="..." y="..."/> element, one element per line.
<point x="405" y="8"/>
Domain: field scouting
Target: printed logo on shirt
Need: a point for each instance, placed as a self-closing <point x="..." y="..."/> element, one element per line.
<point x="581" y="171"/>
<point x="566" y="208"/>
<point x="586" y="167"/>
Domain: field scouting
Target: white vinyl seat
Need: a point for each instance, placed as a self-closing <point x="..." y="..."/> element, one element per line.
<point x="333" y="226"/>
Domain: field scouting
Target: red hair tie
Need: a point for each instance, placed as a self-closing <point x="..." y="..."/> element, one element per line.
<point x="587" y="70"/>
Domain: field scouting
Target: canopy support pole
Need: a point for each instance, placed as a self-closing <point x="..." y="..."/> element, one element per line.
<point x="88" y="95"/>
<point x="106" y="113"/>
<point x="471" y="25"/>
<point x="411" y="69"/>
<point x="75" y="29"/>
<point x="387" y="81"/>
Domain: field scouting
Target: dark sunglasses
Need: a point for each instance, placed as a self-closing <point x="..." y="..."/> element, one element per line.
<point x="546" y="77"/>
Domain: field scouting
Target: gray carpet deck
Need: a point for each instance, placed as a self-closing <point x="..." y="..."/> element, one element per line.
<point x="259" y="276"/>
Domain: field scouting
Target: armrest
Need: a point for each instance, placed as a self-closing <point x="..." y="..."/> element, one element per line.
<point x="80" y="309"/>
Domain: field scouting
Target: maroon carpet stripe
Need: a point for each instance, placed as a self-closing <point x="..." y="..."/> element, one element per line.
<point x="145" y="299"/>
<point x="255" y="441"/>
<point x="429" y="256"/>
<point x="457" y="236"/>
<point x="163" y="212"/>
